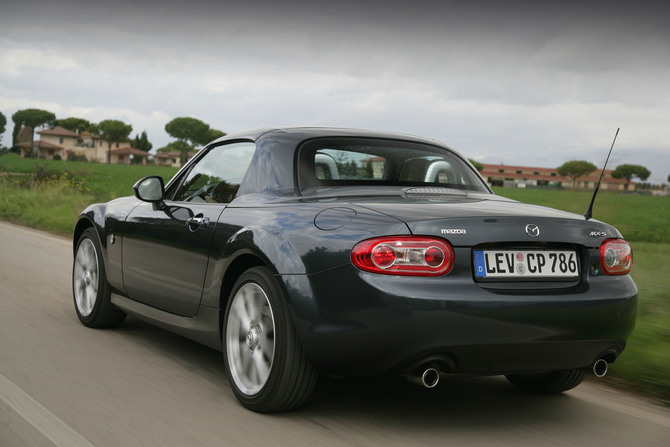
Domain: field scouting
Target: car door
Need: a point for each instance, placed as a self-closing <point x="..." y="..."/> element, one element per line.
<point x="166" y="248"/>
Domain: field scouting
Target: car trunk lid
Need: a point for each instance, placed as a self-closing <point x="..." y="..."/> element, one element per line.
<point x="470" y="220"/>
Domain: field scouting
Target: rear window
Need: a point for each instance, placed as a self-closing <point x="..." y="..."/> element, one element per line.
<point x="357" y="161"/>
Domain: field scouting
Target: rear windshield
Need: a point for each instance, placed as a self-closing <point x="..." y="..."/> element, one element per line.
<point x="374" y="162"/>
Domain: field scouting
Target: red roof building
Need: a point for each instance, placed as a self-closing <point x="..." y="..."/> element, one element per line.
<point x="122" y="155"/>
<point x="525" y="176"/>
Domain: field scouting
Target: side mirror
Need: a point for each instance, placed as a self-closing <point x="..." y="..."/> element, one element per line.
<point x="150" y="189"/>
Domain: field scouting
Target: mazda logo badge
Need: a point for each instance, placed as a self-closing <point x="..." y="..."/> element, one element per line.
<point x="532" y="230"/>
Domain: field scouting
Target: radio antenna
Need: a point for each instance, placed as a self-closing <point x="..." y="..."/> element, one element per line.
<point x="589" y="211"/>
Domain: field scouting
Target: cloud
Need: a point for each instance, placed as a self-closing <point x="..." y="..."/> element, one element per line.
<point x="533" y="81"/>
<point x="14" y="61"/>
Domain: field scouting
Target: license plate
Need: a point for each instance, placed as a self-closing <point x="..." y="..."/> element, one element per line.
<point x="521" y="264"/>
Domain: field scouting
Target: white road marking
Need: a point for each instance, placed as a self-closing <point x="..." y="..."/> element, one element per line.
<point x="47" y="423"/>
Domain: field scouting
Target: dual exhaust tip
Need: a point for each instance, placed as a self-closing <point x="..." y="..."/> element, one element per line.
<point x="430" y="376"/>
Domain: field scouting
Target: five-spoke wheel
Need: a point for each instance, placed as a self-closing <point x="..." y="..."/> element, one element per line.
<point x="250" y="338"/>
<point x="85" y="277"/>
<point x="89" y="285"/>
<point x="264" y="360"/>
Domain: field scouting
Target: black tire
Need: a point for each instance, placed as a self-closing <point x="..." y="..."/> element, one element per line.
<point x="90" y="289"/>
<point x="264" y="361"/>
<point x="553" y="382"/>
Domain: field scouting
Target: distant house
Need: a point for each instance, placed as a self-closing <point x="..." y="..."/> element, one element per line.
<point x="172" y="158"/>
<point x="524" y="176"/>
<point x="54" y="143"/>
<point x="64" y="143"/>
<point x="122" y="155"/>
<point x="44" y="149"/>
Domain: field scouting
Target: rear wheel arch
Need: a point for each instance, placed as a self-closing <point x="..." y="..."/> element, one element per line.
<point x="236" y="268"/>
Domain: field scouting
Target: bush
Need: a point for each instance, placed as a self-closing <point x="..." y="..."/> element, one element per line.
<point x="76" y="157"/>
<point x="49" y="201"/>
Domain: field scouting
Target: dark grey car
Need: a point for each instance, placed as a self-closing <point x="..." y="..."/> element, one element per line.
<point x="297" y="251"/>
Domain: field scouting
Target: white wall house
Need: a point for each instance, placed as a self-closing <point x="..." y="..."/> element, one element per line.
<point x="63" y="143"/>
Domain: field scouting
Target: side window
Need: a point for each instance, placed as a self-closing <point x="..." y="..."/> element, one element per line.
<point x="216" y="177"/>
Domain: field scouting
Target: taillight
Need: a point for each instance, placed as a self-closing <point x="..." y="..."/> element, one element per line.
<point x="616" y="257"/>
<point x="404" y="255"/>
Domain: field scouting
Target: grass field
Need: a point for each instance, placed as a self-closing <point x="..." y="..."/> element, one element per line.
<point x="53" y="200"/>
<point x="646" y="360"/>
<point x="638" y="218"/>
<point x="104" y="181"/>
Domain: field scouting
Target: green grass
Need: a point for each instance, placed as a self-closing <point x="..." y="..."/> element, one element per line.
<point x="646" y="361"/>
<point x="53" y="208"/>
<point x="104" y="181"/>
<point x="65" y="189"/>
<point x="638" y="218"/>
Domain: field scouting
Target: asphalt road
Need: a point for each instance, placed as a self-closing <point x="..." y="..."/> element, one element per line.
<point x="62" y="384"/>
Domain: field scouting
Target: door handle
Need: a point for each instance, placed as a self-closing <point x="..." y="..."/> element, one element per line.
<point x="196" y="222"/>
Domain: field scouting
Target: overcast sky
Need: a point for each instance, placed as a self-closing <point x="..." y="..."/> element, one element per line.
<point x="522" y="83"/>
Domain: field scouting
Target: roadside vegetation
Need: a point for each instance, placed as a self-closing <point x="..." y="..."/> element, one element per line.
<point x="646" y="361"/>
<point x="49" y="195"/>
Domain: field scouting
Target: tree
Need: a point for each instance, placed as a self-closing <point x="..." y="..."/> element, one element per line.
<point x="3" y="124"/>
<point x="74" y="124"/>
<point x="478" y="166"/>
<point x="175" y="146"/>
<point x="93" y="129"/>
<point x="186" y="129"/>
<point x="211" y="135"/>
<point x="575" y="169"/>
<point x="31" y="118"/>
<point x="368" y="169"/>
<point x="114" y="131"/>
<point x="630" y="171"/>
<point x="141" y="142"/>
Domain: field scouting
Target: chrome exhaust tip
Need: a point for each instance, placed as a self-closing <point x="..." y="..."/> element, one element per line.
<point x="600" y="368"/>
<point x="426" y="372"/>
<point x="430" y="378"/>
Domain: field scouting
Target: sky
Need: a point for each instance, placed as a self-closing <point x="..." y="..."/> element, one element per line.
<point x="514" y="82"/>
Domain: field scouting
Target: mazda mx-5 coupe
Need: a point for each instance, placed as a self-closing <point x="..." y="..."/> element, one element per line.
<point x="306" y="251"/>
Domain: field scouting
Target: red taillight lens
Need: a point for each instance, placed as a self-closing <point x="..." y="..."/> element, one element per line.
<point x="404" y="255"/>
<point x="383" y="256"/>
<point x="616" y="257"/>
<point x="434" y="256"/>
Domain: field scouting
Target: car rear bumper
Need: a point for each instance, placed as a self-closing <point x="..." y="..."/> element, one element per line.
<point x="351" y="322"/>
